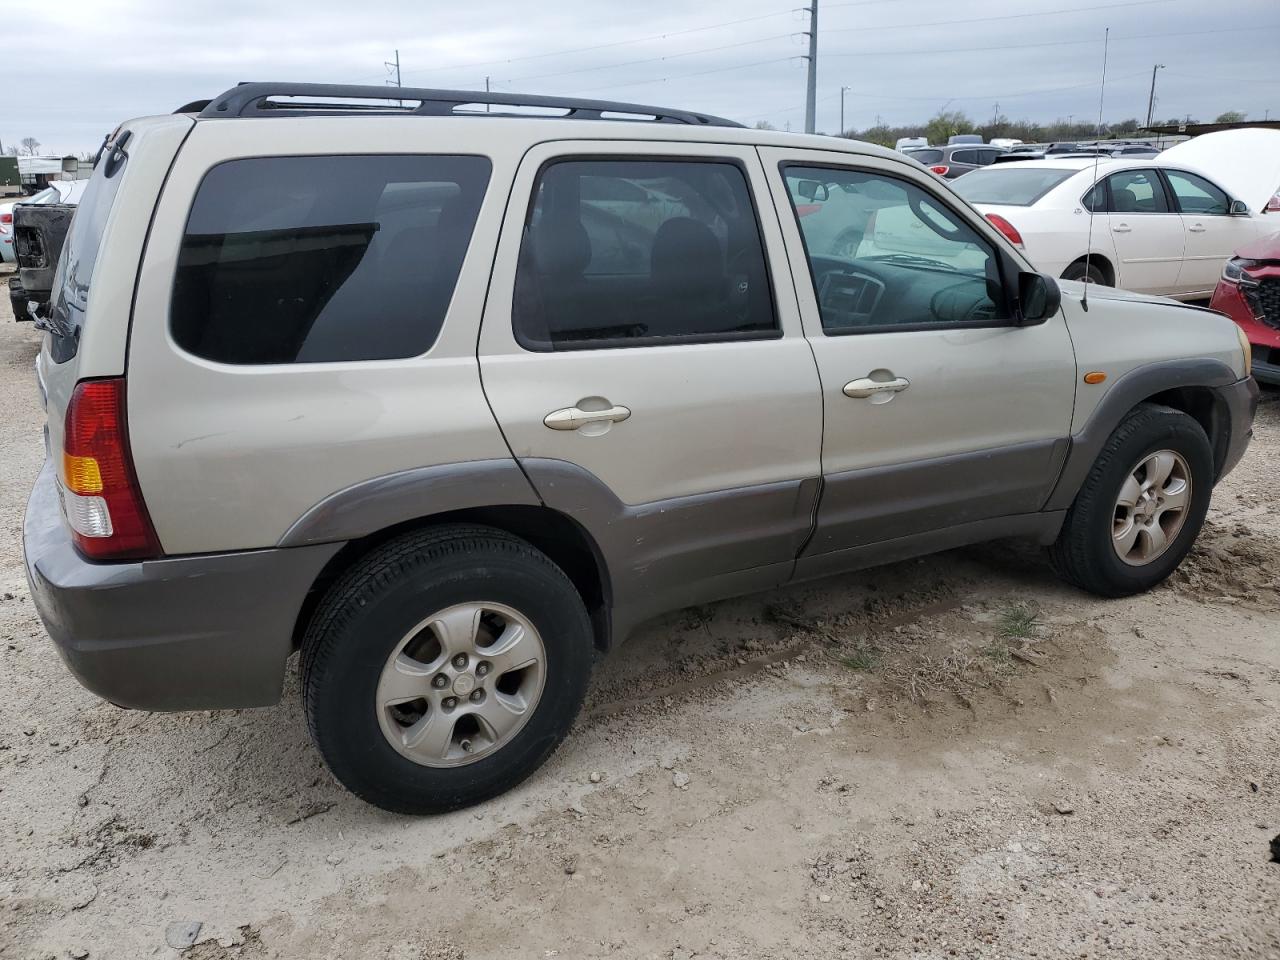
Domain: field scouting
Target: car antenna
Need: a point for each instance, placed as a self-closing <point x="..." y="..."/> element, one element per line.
<point x="1097" y="155"/>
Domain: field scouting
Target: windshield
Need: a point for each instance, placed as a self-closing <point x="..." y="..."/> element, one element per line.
<point x="1012" y="187"/>
<point x="925" y="156"/>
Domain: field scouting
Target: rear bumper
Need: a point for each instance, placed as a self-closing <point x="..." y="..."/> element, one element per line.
<point x="181" y="633"/>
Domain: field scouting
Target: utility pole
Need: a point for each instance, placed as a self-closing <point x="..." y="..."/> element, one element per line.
<point x="842" y="93"/>
<point x="811" y="89"/>
<point x="1151" y="100"/>
<point x="486" y="90"/>
<point x="393" y="63"/>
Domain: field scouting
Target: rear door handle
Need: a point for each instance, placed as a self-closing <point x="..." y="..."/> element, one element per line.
<point x="1196" y="228"/>
<point x="573" y="418"/>
<point x="1121" y="228"/>
<point x="866" y="387"/>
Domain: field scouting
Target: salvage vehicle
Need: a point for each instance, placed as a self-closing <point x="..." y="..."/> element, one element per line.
<point x="1157" y="226"/>
<point x="375" y="382"/>
<point x="37" y="228"/>
<point x="1249" y="293"/>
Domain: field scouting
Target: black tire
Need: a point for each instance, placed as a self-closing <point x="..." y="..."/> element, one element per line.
<point x="1089" y="273"/>
<point x="367" y="612"/>
<point x="1083" y="553"/>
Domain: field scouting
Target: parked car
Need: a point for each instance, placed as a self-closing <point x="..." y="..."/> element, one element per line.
<point x="970" y="138"/>
<point x="54" y="206"/>
<point x="1009" y="143"/>
<point x="1249" y="293"/>
<point x="954" y="161"/>
<point x="60" y="191"/>
<point x="905" y="143"/>
<point x="1158" y="227"/>
<point x="366" y="384"/>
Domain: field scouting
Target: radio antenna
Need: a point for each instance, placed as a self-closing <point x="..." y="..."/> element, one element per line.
<point x="1097" y="156"/>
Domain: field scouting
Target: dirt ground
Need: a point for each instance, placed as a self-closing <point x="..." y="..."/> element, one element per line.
<point x="950" y="757"/>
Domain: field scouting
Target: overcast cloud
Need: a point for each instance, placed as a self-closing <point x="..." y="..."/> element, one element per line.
<point x="76" y="68"/>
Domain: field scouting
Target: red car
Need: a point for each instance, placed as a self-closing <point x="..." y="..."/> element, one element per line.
<point x="1249" y="293"/>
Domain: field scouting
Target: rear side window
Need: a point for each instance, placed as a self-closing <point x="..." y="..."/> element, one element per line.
<point x="925" y="156"/>
<point x="70" y="298"/>
<point x="1017" y="186"/>
<point x="313" y="259"/>
<point x="640" y="252"/>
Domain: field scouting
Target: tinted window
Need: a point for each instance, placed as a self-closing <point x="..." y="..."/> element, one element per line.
<point x="966" y="156"/>
<point x="884" y="253"/>
<point x="79" y="255"/>
<point x="1196" y="194"/>
<point x="1137" y="191"/>
<point x="925" y="156"/>
<point x="1019" y="186"/>
<point x="620" y="252"/>
<point x="310" y="259"/>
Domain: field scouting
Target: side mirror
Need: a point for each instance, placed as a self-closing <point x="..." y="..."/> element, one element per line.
<point x="1039" y="298"/>
<point x="812" y="190"/>
<point x="1238" y="208"/>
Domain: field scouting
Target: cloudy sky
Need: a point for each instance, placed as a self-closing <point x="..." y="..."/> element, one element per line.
<point x="75" y="68"/>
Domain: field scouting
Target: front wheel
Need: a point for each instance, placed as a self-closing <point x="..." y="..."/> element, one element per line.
<point x="1141" y="506"/>
<point x="444" y="668"/>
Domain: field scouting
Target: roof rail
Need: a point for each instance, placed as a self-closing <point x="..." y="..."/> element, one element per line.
<point x="306" y="99"/>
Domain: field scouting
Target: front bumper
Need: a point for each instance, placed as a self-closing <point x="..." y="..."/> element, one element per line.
<point x="181" y="633"/>
<point x="1241" y="400"/>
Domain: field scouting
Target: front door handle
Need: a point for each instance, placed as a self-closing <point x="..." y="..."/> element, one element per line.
<point x="1121" y="228"/>
<point x="866" y="387"/>
<point x="1196" y="228"/>
<point x="574" y="418"/>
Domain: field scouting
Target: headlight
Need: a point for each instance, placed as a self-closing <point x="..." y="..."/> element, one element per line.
<point x="1247" y="348"/>
<point x="1235" y="268"/>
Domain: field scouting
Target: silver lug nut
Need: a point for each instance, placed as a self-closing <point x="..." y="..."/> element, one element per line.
<point x="450" y="703"/>
<point x="440" y="681"/>
<point x="482" y="669"/>
<point x="460" y="661"/>
<point x="477" y="696"/>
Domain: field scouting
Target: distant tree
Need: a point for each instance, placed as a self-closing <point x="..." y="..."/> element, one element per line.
<point x="945" y="125"/>
<point x="1230" y="116"/>
<point x="765" y="125"/>
<point x="30" y="146"/>
<point x="10" y="151"/>
<point x="1125" y="128"/>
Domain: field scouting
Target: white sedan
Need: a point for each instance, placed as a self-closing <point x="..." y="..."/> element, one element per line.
<point x="1161" y="225"/>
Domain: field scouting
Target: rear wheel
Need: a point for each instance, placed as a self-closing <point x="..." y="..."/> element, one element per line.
<point x="1089" y="273"/>
<point x="1141" y="506"/>
<point x="445" y="668"/>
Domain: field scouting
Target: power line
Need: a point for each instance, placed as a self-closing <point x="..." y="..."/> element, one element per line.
<point x="683" y="76"/>
<point x="632" y="63"/>
<point x="1005" y="16"/>
<point x="603" y="46"/>
<point x="939" y="51"/>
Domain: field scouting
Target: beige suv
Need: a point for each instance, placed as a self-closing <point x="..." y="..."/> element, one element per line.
<point x="449" y="400"/>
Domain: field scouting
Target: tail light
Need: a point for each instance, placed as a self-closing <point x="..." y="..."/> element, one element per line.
<point x="940" y="169"/>
<point x="1006" y="228"/>
<point x="100" y="494"/>
<point x="1273" y="205"/>
<point x="6" y="218"/>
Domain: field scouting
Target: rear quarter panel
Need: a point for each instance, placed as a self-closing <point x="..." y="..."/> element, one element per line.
<point x="153" y="143"/>
<point x="230" y="456"/>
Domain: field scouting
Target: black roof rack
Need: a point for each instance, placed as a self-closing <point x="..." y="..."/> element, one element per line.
<point x="306" y="99"/>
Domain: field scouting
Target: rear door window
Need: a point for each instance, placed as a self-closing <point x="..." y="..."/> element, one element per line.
<point x="1137" y="191"/>
<point x="314" y="259"/>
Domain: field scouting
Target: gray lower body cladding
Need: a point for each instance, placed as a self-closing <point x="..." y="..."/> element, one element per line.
<point x="181" y="633"/>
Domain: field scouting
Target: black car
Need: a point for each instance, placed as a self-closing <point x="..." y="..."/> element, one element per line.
<point x="956" y="159"/>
